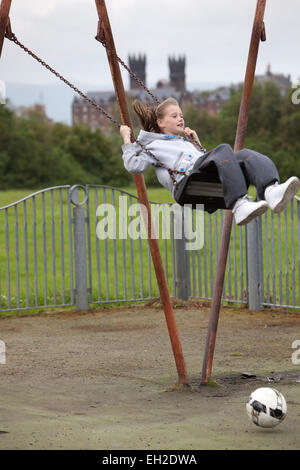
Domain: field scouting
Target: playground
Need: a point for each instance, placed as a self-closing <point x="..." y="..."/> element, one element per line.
<point x="116" y="378"/>
<point x="106" y="379"/>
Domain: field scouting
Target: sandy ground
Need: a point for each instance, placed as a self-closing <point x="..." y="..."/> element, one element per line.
<point x="105" y="380"/>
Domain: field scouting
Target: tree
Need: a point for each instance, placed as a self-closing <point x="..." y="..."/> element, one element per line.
<point x="6" y="124"/>
<point x="91" y="150"/>
<point x="36" y="153"/>
<point x="203" y="123"/>
<point x="269" y="109"/>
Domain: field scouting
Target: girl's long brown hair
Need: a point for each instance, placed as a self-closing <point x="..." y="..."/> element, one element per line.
<point x="148" y="114"/>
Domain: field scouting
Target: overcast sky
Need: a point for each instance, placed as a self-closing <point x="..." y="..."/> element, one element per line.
<point x="214" y="36"/>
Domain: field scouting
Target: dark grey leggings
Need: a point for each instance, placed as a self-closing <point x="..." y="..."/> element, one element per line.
<point x="238" y="170"/>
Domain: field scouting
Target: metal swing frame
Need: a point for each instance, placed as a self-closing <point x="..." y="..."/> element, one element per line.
<point x="192" y="186"/>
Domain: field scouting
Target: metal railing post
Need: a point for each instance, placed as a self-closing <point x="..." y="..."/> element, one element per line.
<point x="182" y="264"/>
<point x="254" y="264"/>
<point x="81" y="291"/>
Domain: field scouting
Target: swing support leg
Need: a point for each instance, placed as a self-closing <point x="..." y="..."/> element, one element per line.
<point x="258" y="32"/>
<point x="4" y="18"/>
<point x="106" y="32"/>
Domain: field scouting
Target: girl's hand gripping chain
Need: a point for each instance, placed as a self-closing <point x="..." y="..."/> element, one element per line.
<point x="191" y="135"/>
<point x="125" y="132"/>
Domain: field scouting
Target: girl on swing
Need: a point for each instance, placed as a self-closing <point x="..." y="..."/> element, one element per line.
<point x="160" y="144"/>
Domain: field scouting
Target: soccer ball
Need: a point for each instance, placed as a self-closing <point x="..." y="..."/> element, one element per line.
<point x="266" y="407"/>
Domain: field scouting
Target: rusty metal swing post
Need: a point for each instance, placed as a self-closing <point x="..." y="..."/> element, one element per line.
<point x="4" y="20"/>
<point x="5" y="29"/>
<point x="105" y="32"/>
<point x="258" y="33"/>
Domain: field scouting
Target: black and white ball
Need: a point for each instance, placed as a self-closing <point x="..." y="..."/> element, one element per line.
<point x="266" y="407"/>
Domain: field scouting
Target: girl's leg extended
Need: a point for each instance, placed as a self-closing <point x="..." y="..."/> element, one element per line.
<point x="258" y="170"/>
<point x="223" y="161"/>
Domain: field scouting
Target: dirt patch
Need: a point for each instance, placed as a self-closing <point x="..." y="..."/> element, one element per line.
<point x="106" y="379"/>
<point x="111" y="329"/>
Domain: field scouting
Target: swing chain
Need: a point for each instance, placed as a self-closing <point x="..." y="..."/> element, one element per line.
<point x="101" y="38"/>
<point x="12" y="37"/>
<point x="125" y="66"/>
<point x="162" y="165"/>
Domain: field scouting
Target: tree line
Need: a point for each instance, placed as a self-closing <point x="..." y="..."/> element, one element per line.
<point x="36" y="154"/>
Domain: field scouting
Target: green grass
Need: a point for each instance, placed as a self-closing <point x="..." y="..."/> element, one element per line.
<point x="50" y="277"/>
<point x="46" y="273"/>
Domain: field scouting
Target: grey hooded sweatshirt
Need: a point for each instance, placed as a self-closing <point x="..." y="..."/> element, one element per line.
<point x="173" y="151"/>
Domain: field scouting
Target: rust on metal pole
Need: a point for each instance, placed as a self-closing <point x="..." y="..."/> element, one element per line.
<point x="257" y="30"/>
<point x="258" y="33"/>
<point x="4" y="16"/>
<point x="106" y="32"/>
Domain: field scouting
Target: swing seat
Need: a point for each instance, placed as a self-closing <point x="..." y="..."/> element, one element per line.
<point x="201" y="187"/>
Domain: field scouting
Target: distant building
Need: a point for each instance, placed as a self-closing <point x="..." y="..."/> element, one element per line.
<point x="177" y="73"/>
<point x="211" y="101"/>
<point x="175" y="86"/>
<point x="284" y="82"/>
<point x="83" y="112"/>
<point x="138" y="66"/>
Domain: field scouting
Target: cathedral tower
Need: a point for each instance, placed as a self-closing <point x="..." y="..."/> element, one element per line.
<point x="177" y="73"/>
<point x="138" y="65"/>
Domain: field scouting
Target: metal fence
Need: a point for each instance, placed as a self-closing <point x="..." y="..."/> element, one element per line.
<point x="80" y="245"/>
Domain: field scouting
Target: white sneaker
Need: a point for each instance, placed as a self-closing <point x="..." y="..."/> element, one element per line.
<point x="279" y="195"/>
<point x="245" y="210"/>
